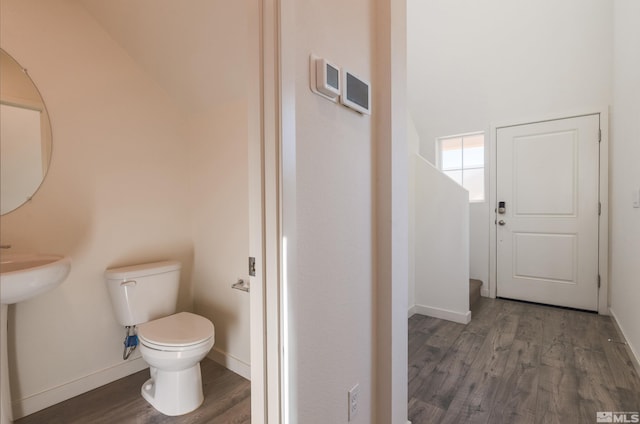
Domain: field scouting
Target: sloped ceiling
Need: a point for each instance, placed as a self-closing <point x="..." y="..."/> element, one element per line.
<point x="194" y="49"/>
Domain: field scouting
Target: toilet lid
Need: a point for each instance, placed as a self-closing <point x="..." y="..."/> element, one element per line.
<point x="181" y="329"/>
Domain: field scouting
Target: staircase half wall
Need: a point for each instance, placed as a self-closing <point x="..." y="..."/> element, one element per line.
<point x="441" y="245"/>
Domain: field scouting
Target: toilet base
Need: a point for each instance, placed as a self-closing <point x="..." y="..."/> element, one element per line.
<point x="174" y="392"/>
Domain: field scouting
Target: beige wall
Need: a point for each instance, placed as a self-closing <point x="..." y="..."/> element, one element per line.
<point x="114" y="195"/>
<point x="15" y="85"/>
<point x="218" y="153"/>
<point x="132" y="179"/>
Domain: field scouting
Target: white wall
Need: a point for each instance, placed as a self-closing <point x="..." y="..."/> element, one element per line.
<point x="330" y="296"/>
<point x="471" y="64"/>
<point x="441" y="245"/>
<point x="478" y="243"/>
<point x="414" y="141"/>
<point x="625" y="172"/>
<point x="114" y="195"/>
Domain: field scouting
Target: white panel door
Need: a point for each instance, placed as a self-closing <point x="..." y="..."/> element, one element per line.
<point x="547" y="234"/>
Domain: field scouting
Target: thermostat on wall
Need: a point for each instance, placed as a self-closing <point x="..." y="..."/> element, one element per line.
<point x="356" y="93"/>
<point x="324" y="78"/>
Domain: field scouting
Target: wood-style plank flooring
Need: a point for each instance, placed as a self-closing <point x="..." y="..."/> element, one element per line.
<point x="518" y="363"/>
<point x="514" y="363"/>
<point x="227" y="400"/>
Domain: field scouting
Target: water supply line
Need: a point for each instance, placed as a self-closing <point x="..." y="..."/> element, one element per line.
<point x="130" y="341"/>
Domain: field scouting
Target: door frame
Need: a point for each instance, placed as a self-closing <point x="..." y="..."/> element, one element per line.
<point x="603" y="223"/>
<point x="265" y="134"/>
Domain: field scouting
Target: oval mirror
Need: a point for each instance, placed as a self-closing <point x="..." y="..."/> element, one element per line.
<point x="25" y="139"/>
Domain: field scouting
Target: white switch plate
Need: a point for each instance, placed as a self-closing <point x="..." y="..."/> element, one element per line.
<point x="354" y="395"/>
<point x="636" y="198"/>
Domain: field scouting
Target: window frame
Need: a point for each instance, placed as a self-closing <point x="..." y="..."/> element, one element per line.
<point x="462" y="168"/>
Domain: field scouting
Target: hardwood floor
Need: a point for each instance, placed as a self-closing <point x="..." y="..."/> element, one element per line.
<point x="518" y="363"/>
<point x="513" y="363"/>
<point x="227" y="400"/>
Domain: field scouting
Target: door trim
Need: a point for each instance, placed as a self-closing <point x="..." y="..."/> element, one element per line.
<point x="265" y="135"/>
<point x="603" y="223"/>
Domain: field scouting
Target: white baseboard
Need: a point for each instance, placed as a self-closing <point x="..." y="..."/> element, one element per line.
<point x="412" y="312"/>
<point x="49" y="397"/>
<point x="230" y="362"/>
<point x="459" y="317"/>
<point x="633" y="353"/>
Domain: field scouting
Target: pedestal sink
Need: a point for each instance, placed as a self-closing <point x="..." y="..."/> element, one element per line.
<point x="22" y="277"/>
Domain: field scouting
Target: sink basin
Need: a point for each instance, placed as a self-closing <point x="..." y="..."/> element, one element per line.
<point x="23" y="276"/>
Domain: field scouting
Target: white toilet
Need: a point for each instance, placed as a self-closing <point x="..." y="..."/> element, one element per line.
<point x="173" y="344"/>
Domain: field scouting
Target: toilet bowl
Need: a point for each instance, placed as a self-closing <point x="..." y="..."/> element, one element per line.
<point x="173" y="344"/>
<point x="173" y="347"/>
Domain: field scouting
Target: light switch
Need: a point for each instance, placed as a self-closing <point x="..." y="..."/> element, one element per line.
<point x="636" y="198"/>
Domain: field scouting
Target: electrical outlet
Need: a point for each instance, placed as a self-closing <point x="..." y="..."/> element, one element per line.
<point x="354" y="395"/>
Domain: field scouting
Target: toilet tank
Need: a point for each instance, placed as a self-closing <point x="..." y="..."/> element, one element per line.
<point x="144" y="292"/>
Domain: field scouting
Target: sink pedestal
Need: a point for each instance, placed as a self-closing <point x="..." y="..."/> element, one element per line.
<point x="6" y="416"/>
<point x="22" y="277"/>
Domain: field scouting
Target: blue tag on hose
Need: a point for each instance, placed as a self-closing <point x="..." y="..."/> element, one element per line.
<point x="131" y="341"/>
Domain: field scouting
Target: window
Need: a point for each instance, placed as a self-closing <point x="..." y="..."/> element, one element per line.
<point x="461" y="157"/>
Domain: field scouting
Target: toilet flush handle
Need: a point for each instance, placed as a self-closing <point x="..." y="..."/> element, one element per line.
<point x="129" y="283"/>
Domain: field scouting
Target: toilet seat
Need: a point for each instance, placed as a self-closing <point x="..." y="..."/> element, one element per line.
<point x="181" y="331"/>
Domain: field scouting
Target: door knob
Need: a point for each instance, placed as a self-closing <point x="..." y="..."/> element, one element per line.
<point x="501" y="222"/>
